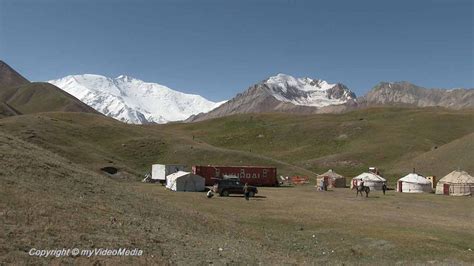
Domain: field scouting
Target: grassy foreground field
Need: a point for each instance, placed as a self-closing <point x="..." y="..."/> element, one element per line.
<point x="49" y="202"/>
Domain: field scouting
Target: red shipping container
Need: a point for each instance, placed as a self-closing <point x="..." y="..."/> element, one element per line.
<point x="252" y="175"/>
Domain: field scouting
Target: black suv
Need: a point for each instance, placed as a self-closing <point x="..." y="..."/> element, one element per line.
<point x="232" y="186"/>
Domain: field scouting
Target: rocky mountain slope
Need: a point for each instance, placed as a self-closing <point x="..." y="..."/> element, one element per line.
<point x="133" y="101"/>
<point x="408" y="94"/>
<point x="284" y="93"/>
<point x="9" y="77"/>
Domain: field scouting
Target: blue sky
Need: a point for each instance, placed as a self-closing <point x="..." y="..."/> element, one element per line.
<point x="218" y="48"/>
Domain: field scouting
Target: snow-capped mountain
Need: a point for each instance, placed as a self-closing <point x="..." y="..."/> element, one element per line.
<point x="284" y="93"/>
<point x="307" y="91"/>
<point x="132" y="100"/>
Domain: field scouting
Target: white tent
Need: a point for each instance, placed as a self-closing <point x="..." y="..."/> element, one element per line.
<point x="414" y="183"/>
<point x="456" y="183"/>
<point x="185" y="181"/>
<point x="371" y="180"/>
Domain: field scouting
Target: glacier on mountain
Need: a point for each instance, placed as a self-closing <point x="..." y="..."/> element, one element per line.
<point x="307" y="91"/>
<point x="132" y="100"/>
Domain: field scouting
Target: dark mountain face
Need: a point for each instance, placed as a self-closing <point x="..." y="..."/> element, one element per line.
<point x="407" y="94"/>
<point x="9" y="77"/>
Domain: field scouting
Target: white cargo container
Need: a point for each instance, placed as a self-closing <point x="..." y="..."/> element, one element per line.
<point x="160" y="171"/>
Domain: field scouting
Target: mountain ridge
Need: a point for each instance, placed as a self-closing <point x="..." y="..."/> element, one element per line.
<point x="284" y="93"/>
<point x="384" y="94"/>
<point x="404" y="93"/>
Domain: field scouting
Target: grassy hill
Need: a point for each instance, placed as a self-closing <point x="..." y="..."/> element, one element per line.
<point x="41" y="97"/>
<point x="296" y="144"/>
<point x="98" y="141"/>
<point x="445" y="158"/>
<point x="349" y="142"/>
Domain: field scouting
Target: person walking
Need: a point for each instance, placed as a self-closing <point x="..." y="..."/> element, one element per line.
<point x="246" y="191"/>
<point x="384" y="188"/>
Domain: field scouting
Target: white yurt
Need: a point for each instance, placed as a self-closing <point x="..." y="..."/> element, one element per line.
<point x="456" y="183"/>
<point x="185" y="181"/>
<point x="371" y="180"/>
<point x="414" y="183"/>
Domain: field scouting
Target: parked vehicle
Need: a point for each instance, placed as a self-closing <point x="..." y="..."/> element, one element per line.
<point x="225" y="187"/>
<point x="252" y="175"/>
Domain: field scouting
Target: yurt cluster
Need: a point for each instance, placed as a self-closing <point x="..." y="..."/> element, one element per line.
<point x="456" y="183"/>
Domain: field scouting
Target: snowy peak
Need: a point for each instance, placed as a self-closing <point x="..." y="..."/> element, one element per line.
<point x="132" y="100"/>
<point x="284" y="81"/>
<point x="307" y="91"/>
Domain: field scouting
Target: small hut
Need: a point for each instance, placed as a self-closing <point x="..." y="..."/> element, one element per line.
<point x="371" y="180"/>
<point x="414" y="183"/>
<point x="332" y="179"/>
<point x="456" y="183"/>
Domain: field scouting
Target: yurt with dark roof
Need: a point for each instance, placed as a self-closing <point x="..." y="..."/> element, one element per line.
<point x="332" y="179"/>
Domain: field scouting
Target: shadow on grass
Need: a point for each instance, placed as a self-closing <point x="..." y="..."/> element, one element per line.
<point x="242" y="196"/>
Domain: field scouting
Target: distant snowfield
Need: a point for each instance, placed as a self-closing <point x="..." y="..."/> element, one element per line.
<point x="132" y="100"/>
<point x="304" y="91"/>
